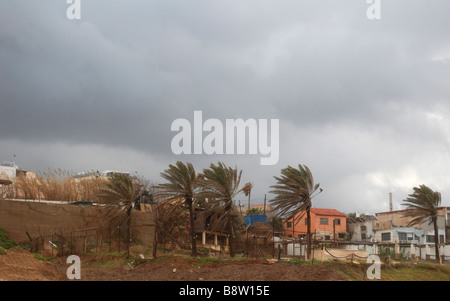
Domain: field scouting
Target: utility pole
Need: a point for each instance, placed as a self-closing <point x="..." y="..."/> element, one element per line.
<point x="264" y="204"/>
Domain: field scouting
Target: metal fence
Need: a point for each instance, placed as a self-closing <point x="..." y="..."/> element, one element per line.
<point x="81" y="241"/>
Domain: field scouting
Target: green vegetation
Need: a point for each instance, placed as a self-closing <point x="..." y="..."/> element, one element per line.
<point x="40" y="257"/>
<point x="397" y="272"/>
<point x="2" y="251"/>
<point x="5" y="241"/>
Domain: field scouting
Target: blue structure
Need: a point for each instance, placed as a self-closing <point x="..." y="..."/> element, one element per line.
<point x="255" y="218"/>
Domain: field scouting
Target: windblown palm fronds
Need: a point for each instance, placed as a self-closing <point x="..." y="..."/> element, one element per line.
<point x="293" y="192"/>
<point x="182" y="183"/>
<point x="424" y="204"/>
<point x="121" y="190"/>
<point x="220" y="184"/>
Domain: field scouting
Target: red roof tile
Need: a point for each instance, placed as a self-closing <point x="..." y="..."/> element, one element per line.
<point x="333" y="212"/>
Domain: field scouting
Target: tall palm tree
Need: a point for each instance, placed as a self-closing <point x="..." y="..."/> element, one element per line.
<point x="293" y="194"/>
<point x="182" y="182"/>
<point x="424" y="203"/>
<point x="221" y="185"/>
<point x="247" y="189"/>
<point x="121" y="190"/>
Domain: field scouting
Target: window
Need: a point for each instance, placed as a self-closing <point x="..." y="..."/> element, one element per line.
<point x="341" y="235"/>
<point x="363" y="236"/>
<point x="401" y="236"/>
<point x="327" y="237"/>
<point x="441" y="239"/>
<point x="289" y="225"/>
<point x="430" y="238"/>
<point x="337" y="221"/>
<point x="324" y="221"/>
<point x="385" y="236"/>
<point x="363" y="228"/>
<point x="306" y="221"/>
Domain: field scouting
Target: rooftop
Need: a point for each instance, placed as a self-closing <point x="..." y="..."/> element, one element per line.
<point x="332" y="212"/>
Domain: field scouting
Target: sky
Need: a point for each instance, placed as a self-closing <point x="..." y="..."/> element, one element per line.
<point x="364" y="103"/>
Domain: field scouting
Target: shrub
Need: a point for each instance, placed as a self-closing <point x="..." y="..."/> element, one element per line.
<point x="5" y="242"/>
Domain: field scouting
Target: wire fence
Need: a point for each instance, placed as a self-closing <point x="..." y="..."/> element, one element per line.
<point x="82" y="241"/>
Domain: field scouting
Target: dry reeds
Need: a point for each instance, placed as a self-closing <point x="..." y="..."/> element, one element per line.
<point x="58" y="185"/>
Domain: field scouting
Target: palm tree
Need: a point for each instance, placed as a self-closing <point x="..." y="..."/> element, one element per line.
<point x="424" y="203"/>
<point x="247" y="189"/>
<point x="121" y="190"/>
<point x="182" y="183"/>
<point x="221" y="185"/>
<point x="293" y="194"/>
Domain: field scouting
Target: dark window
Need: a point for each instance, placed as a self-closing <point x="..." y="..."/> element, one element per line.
<point x="430" y="238"/>
<point x="341" y="235"/>
<point x="289" y="224"/>
<point x="385" y="236"/>
<point x="324" y="221"/>
<point x="363" y="235"/>
<point x="327" y="237"/>
<point x="363" y="228"/>
<point x="401" y="236"/>
<point x="337" y="221"/>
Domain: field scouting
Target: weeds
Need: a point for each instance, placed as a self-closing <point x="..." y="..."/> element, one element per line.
<point x="5" y="242"/>
<point x="40" y="257"/>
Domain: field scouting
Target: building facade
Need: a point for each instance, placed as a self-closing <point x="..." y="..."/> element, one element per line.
<point x="326" y="224"/>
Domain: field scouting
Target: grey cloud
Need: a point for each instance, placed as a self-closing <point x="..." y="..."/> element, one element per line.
<point x="341" y="85"/>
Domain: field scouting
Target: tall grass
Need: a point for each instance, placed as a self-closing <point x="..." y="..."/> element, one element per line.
<point x="55" y="185"/>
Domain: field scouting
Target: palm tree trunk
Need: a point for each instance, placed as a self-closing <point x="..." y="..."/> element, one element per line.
<point x="192" y="221"/>
<point x="436" y="240"/>
<point x="308" y="231"/>
<point x="230" y="241"/>
<point x="128" y="230"/>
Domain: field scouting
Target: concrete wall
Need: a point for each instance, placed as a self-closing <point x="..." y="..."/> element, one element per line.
<point x="18" y="217"/>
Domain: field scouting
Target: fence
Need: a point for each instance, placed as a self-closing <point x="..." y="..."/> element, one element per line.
<point x="346" y="250"/>
<point x="82" y="241"/>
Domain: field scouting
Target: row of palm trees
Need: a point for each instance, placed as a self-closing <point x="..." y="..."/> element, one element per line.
<point x="293" y="193"/>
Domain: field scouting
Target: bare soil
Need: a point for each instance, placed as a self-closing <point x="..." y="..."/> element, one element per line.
<point x="180" y="269"/>
<point x="22" y="265"/>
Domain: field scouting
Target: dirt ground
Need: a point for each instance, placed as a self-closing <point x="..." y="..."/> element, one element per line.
<point x="21" y="265"/>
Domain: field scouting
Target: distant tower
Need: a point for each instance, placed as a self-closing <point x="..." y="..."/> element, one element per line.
<point x="390" y="201"/>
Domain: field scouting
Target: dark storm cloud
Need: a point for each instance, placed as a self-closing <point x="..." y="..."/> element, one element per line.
<point x="361" y="102"/>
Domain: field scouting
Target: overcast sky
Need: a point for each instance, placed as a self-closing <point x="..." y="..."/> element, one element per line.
<point x="365" y="104"/>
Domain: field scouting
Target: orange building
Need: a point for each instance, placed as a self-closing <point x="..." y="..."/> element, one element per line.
<point x="324" y="223"/>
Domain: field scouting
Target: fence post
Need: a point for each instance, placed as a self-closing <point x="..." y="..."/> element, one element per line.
<point x="323" y="253"/>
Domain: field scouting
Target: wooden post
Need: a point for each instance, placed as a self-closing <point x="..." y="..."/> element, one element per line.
<point x="397" y="250"/>
<point x="323" y="253"/>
